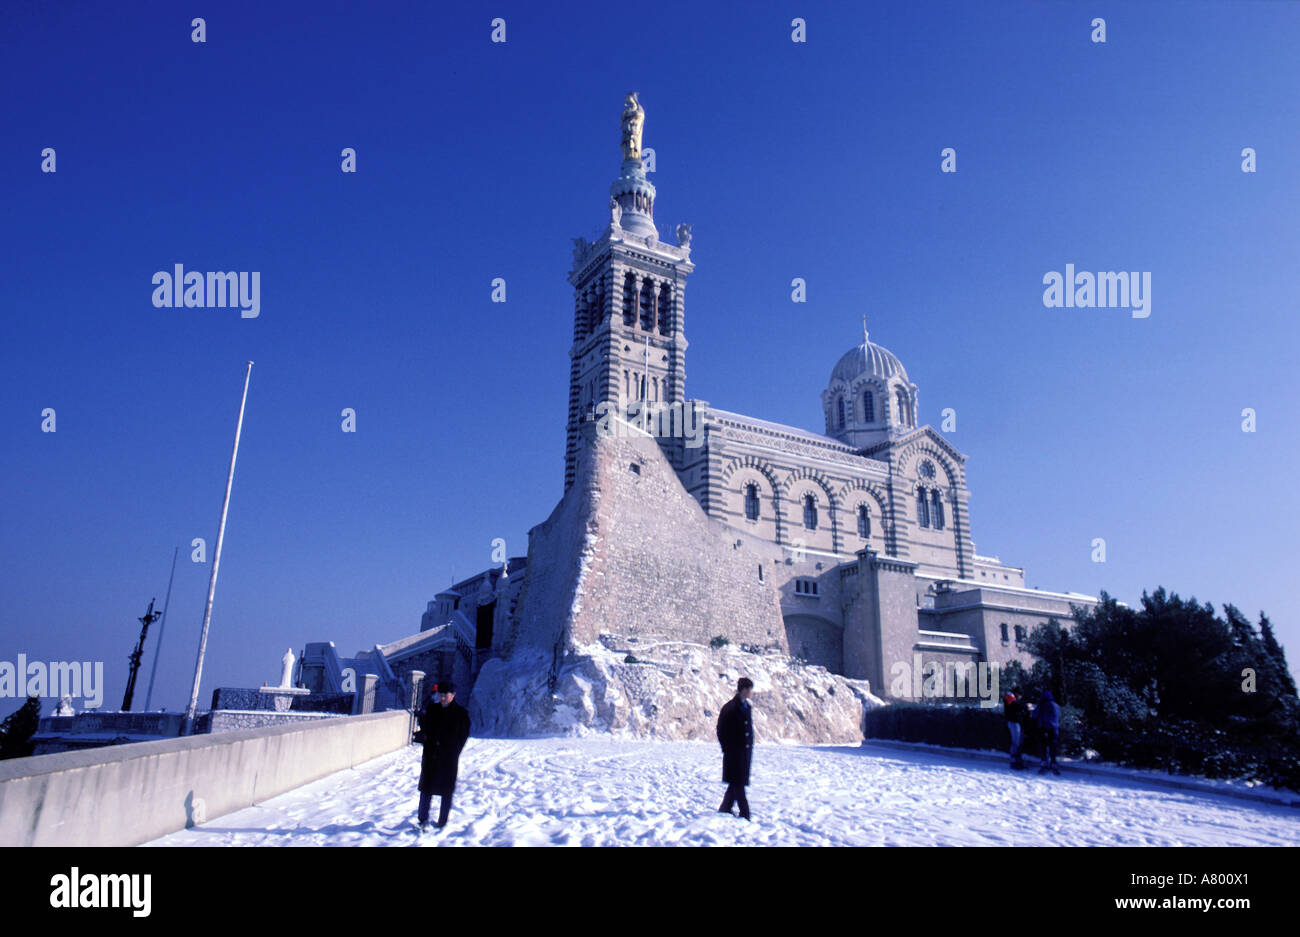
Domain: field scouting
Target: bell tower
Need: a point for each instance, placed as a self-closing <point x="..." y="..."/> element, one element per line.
<point x="629" y="340"/>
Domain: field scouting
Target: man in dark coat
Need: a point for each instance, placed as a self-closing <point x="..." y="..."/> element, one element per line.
<point x="736" y="735"/>
<point x="445" y="728"/>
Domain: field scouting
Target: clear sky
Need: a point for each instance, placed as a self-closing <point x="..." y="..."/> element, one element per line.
<point x="479" y="160"/>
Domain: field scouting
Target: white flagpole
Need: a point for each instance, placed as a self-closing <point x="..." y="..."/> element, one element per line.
<point x="188" y="725"/>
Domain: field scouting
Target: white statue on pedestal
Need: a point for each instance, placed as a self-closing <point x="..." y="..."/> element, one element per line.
<point x="286" y="674"/>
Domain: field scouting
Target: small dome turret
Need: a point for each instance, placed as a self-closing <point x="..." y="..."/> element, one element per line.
<point x="869" y="397"/>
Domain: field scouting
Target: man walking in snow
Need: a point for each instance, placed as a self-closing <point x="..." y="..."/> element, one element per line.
<point x="1048" y="717"/>
<point x="736" y="735"/>
<point x="445" y="727"/>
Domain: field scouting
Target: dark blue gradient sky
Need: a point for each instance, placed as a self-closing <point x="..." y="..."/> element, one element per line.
<point x="478" y="161"/>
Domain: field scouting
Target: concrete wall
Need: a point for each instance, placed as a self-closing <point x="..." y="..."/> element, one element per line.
<point x="129" y="794"/>
<point x="880" y="619"/>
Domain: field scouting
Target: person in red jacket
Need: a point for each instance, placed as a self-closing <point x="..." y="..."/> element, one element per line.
<point x="1015" y="712"/>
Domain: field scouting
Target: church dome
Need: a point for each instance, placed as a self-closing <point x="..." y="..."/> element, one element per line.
<point x="871" y="360"/>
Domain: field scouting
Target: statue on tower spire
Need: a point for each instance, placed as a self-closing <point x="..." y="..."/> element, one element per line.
<point x="633" y="122"/>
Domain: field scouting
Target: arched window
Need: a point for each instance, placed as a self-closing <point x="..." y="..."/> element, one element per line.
<point x="864" y="522"/>
<point x="665" y="309"/>
<point x="901" y="400"/>
<point x="647" y="305"/>
<point x="751" y="501"/>
<point x="810" y="512"/>
<point x="839" y="413"/>
<point x="629" y="299"/>
<point x="597" y="310"/>
<point x="936" y="508"/>
<point x="868" y="407"/>
<point x="922" y="508"/>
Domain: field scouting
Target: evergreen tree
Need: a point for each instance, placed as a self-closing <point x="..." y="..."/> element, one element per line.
<point x="1250" y="657"/>
<point x="18" y="728"/>
<point x="1053" y="646"/>
<point x="1276" y="653"/>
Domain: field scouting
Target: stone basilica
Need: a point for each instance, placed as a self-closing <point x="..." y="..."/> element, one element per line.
<point x="848" y="548"/>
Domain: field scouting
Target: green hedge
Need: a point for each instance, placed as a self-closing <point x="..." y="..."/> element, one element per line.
<point x="1176" y="747"/>
<point x="963" y="726"/>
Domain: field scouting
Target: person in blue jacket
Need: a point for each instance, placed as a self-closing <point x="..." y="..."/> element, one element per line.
<point x="1048" y="718"/>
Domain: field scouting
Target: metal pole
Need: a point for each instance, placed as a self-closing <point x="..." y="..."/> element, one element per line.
<point x="149" y="618"/>
<point x="162" y="625"/>
<point x="188" y="725"/>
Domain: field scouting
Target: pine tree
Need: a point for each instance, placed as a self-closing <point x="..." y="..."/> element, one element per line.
<point x="1275" y="652"/>
<point x="18" y="728"/>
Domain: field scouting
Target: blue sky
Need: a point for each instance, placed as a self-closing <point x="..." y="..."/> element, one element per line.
<point x="479" y="160"/>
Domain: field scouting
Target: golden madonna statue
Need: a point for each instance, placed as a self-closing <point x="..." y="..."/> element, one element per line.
<point x="633" y="122"/>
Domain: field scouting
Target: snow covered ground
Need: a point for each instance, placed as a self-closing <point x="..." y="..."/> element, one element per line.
<point x="600" y="791"/>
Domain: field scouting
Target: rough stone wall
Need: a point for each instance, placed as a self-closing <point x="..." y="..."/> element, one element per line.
<point x="816" y="641"/>
<point x="629" y="551"/>
<point x="656" y="563"/>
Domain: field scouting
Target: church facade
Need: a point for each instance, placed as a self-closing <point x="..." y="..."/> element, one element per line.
<point x="848" y="547"/>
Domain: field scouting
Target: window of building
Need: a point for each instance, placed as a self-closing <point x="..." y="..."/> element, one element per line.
<point x="864" y="522"/>
<point x="810" y="512"/>
<point x="922" y="508"/>
<point x="647" y="298"/>
<point x="868" y="407"/>
<point x="936" y="509"/>
<point x="805" y="587"/>
<point x="1020" y="634"/>
<point x="1006" y="636"/>
<point x="839" y="413"/>
<point x="751" y="502"/>
<point x="901" y="400"/>
<point x="629" y="299"/>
